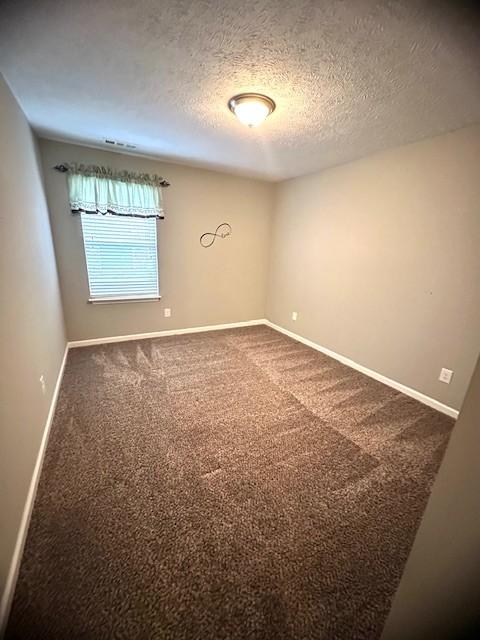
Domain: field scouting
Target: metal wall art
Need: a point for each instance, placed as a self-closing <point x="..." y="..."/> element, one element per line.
<point x="222" y="231"/>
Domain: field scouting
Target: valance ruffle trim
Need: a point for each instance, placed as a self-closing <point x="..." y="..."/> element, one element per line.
<point x="131" y="213"/>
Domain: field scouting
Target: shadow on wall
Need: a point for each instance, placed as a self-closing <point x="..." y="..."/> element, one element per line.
<point x="439" y="594"/>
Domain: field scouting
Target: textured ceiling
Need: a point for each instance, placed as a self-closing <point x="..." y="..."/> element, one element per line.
<point x="348" y="77"/>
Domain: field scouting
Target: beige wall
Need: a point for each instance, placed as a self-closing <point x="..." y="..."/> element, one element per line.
<point x="381" y="260"/>
<point x="225" y="283"/>
<point x="32" y="337"/>
<point x="439" y="594"/>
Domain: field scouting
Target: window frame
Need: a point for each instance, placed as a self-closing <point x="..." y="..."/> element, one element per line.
<point x="116" y="299"/>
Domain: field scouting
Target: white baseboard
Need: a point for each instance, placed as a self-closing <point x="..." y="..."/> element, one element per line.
<point x="168" y="332"/>
<point x="8" y="592"/>
<point x="413" y="393"/>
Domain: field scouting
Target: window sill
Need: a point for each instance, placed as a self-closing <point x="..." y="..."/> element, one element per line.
<point x="123" y="300"/>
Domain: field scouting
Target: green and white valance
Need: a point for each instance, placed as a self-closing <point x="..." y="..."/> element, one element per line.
<point x="101" y="190"/>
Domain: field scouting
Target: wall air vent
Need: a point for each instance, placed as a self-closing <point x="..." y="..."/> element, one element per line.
<point x="116" y="143"/>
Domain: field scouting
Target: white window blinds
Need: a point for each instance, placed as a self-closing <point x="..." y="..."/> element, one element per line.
<point x="121" y="254"/>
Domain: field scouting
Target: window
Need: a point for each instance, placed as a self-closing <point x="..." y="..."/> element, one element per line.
<point x="121" y="255"/>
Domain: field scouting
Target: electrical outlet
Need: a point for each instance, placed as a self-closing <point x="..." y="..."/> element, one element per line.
<point x="294" y="315"/>
<point x="445" y="376"/>
<point x="167" y="313"/>
<point x="43" y="383"/>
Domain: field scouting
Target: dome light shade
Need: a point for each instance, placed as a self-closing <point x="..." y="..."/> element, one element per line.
<point x="251" y="108"/>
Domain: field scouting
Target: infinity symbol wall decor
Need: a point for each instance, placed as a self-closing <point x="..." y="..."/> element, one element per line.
<point x="222" y="231"/>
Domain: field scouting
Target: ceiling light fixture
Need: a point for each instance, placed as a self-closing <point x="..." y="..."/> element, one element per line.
<point x="251" y="108"/>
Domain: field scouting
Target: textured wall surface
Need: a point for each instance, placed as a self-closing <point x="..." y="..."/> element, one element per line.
<point x="224" y="283"/>
<point x="380" y="259"/>
<point x="348" y="78"/>
<point x="32" y="338"/>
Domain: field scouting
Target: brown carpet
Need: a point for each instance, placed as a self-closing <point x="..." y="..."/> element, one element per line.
<point x="225" y="485"/>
